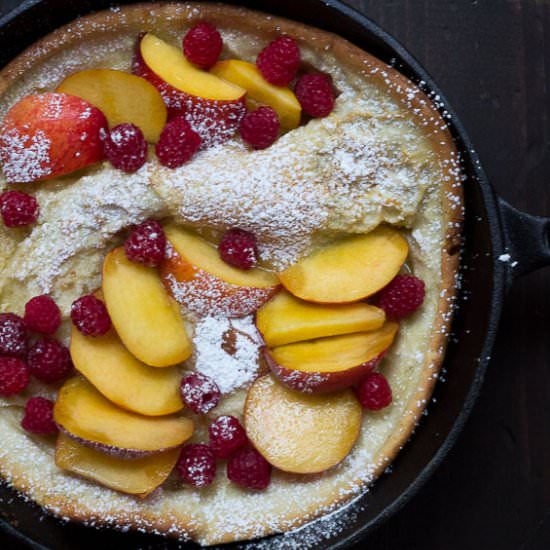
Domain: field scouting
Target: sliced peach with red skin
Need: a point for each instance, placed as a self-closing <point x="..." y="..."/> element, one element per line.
<point x="49" y="135"/>
<point x="348" y="270"/>
<point x="301" y="433"/>
<point x="214" y="107"/>
<point x="286" y="319"/>
<point x="137" y="476"/>
<point x="200" y="280"/>
<point x="84" y="414"/>
<point x="146" y="318"/>
<point x="332" y="363"/>
<point x="122" y="97"/>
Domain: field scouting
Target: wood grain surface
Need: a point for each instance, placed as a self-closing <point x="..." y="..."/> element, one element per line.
<point x="492" y="60"/>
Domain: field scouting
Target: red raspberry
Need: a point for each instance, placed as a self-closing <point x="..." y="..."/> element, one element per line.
<point x="13" y="335"/>
<point x="315" y="94"/>
<point x="374" y="392"/>
<point x="14" y="375"/>
<point x="238" y="248"/>
<point x="197" y="465"/>
<point x="49" y="360"/>
<point x="279" y="61"/>
<point x="402" y="297"/>
<point x="42" y="315"/>
<point x="125" y="147"/>
<point x="260" y="128"/>
<point x="202" y="45"/>
<point x="226" y="436"/>
<point x="90" y="316"/>
<point x="248" y="468"/>
<point x="178" y="142"/>
<point x="146" y="244"/>
<point x="199" y="392"/>
<point x="38" y="417"/>
<point x="18" y="209"/>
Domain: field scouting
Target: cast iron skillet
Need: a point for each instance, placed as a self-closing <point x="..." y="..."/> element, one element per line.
<point x="492" y="229"/>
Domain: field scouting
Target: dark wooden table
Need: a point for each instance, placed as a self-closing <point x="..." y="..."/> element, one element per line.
<point x="492" y="59"/>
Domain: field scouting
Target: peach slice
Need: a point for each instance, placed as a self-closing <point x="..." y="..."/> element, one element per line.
<point x="48" y="135"/>
<point x="348" y="270"/>
<point x="122" y="97"/>
<point x="139" y="476"/>
<point x="146" y="318"/>
<point x="286" y="319"/>
<point x="121" y="378"/>
<point x="199" y="279"/>
<point x="83" y="413"/>
<point x="299" y="433"/>
<point x="331" y="363"/>
<point x="281" y="99"/>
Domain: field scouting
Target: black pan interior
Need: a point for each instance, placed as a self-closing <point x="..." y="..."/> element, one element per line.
<point x="473" y="329"/>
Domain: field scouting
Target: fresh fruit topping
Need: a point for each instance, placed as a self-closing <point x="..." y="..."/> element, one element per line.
<point x="126" y="148"/>
<point x="248" y="468"/>
<point x="260" y="128"/>
<point x="348" y="270"/>
<point x="279" y="61"/>
<point x="226" y="436"/>
<point x="49" y="360"/>
<point x="83" y="413"/>
<point x="121" y="97"/>
<point x="178" y="143"/>
<point x="18" y="209"/>
<point x="146" y="244"/>
<point x="402" y="297"/>
<point x="38" y="417"/>
<point x="199" y="392"/>
<point x="14" y="376"/>
<point x="42" y="315"/>
<point x="239" y="249"/>
<point x="301" y="433"/>
<point x="202" y="45"/>
<point x="13" y="335"/>
<point x="197" y="465"/>
<point x="139" y="476"/>
<point x="315" y="94"/>
<point x="260" y="91"/>
<point x="374" y="392"/>
<point x="90" y="316"/>
<point x="152" y="329"/>
<point x="49" y="135"/>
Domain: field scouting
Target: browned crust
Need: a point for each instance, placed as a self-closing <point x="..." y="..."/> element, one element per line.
<point x="142" y="17"/>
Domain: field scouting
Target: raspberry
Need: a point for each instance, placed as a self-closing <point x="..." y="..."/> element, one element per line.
<point x="125" y="147"/>
<point x="248" y="468"/>
<point x="374" y="392"/>
<point x="38" y="417"/>
<point x="279" y="61"/>
<point x="14" y="375"/>
<point x="89" y="315"/>
<point x="315" y="94"/>
<point x="202" y="45"/>
<point x="197" y="465"/>
<point x="49" y="360"/>
<point x="199" y="392"/>
<point x="260" y="128"/>
<point x="42" y="315"/>
<point x="402" y="297"/>
<point x="18" y="209"/>
<point x="178" y="142"/>
<point x="238" y="248"/>
<point x="146" y="244"/>
<point x="226" y="436"/>
<point x="13" y="335"/>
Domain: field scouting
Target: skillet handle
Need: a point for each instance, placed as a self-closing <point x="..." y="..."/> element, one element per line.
<point x="526" y="241"/>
